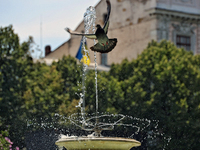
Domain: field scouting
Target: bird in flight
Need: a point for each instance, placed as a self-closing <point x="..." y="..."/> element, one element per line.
<point x="104" y="44"/>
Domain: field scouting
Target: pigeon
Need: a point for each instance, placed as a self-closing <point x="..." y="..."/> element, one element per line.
<point x="104" y="44"/>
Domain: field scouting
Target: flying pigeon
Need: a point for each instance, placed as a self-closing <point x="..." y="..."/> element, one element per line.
<point x="104" y="44"/>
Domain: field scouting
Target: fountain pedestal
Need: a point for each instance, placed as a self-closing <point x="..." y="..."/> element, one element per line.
<point x="97" y="143"/>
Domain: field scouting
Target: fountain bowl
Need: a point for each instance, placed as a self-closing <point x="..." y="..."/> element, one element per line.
<point x="97" y="143"/>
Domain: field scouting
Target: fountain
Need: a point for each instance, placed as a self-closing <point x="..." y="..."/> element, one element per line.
<point x="95" y="141"/>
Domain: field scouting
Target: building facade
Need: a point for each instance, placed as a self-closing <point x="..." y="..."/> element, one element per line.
<point x="135" y="23"/>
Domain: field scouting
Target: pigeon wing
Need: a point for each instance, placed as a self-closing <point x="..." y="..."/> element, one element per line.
<point x="89" y="36"/>
<point x="97" y="47"/>
<point x="111" y="45"/>
<point x="105" y="49"/>
<point x="106" y="25"/>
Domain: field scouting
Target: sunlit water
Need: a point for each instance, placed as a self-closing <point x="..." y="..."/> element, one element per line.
<point x="89" y="23"/>
<point x="148" y="132"/>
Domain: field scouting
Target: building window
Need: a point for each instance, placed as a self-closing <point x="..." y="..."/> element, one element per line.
<point x="104" y="59"/>
<point x="183" y="42"/>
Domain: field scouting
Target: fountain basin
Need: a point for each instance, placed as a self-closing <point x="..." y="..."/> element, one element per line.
<point x="97" y="143"/>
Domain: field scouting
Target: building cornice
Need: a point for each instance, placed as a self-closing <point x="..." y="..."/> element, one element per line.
<point x="174" y="14"/>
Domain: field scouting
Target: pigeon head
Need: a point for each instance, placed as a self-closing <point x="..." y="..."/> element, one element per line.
<point x="98" y="26"/>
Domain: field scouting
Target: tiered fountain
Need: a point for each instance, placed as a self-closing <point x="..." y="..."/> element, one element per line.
<point x="95" y="141"/>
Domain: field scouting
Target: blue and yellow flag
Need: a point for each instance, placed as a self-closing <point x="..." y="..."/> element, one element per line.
<point x="79" y="54"/>
<point x="84" y="58"/>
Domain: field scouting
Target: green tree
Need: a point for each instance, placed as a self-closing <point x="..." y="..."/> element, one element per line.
<point x="163" y="84"/>
<point x="70" y="73"/>
<point x="32" y="93"/>
<point x="14" y="59"/>
<point x="44" y="94"/>
<point x="71" y="76"/>
<point x="109" y="93"/>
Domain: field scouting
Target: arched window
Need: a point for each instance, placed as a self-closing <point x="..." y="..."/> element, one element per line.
<point x="183" y="41"/>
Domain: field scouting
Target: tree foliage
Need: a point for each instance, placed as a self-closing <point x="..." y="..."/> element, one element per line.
<point x="44" y="93"/>
<point x="32" y="93"/>
<point x="15" y="65"/>
<point x="4" y="144"/>
<point x="163" y="84"/>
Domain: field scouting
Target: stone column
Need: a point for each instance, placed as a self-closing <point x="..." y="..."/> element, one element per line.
<point x="198" y="38"/>
<point x="163" y="28"/>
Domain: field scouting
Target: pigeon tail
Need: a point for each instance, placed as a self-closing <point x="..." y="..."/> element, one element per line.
<point x="105" y="49"/>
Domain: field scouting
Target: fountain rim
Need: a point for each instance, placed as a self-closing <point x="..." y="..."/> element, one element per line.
<point x="87" y="140"/>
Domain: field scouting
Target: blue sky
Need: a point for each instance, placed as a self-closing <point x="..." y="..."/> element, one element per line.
<point x="27" y="17"/>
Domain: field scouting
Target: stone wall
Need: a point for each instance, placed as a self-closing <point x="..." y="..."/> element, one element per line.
<point x="185" y="6"/>
<point x="129" y="23"/>
<point x="135" y="23"/>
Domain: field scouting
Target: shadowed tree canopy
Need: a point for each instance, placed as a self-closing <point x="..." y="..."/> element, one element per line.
<point x="15" y="66"/>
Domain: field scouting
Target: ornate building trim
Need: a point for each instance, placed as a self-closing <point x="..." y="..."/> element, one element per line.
<point x="190" y="3"/>
<point x="185" y="29"/>
<point x="198" y="38"/>
<point x="174" y="14"/>
<point x="163" y="27"/>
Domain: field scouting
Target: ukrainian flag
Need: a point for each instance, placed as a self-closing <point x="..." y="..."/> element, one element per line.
<point x="82" y="55"/>
<point x="79" y="54"/>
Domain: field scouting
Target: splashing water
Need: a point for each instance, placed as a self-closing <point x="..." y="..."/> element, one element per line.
<point x="89" y="18"/>
<point x="95" y="60"/>
<point x="145" y="130"/>
<point x="89" y="22"/>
